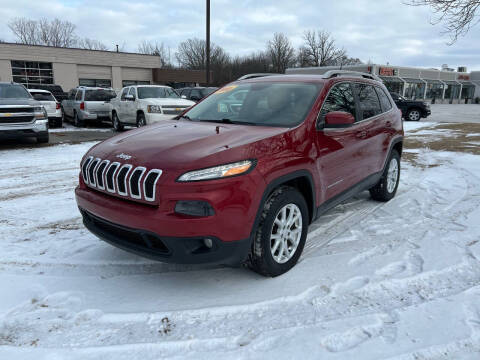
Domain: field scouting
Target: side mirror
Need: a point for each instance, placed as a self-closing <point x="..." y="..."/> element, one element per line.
<point x="129" y="97"/>
<point x="339" y="119"/>
<point x="183" y="97"/>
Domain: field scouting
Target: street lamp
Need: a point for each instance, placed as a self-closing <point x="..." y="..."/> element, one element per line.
<point x="208" y="43"/>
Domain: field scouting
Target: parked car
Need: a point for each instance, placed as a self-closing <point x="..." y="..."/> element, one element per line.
<point x="140" y="105"/>
<point x="230" y="186"/>
<point x="88" y="104"/>
<point x="51" y="105"/>
<point x="21" y="115"/>
<point x="56" y="90"/>
<point x="195" y="93"/>
<point x="412" y="110"/>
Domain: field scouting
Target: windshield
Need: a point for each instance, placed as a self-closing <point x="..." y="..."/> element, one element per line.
<point x="40" y="96"/>
<point x="99" y="95"/>
<point x="12" y="91"/>
<point x="207" y="91"/>
<point x="151" y="92"/>
<point x="282" y="104"/>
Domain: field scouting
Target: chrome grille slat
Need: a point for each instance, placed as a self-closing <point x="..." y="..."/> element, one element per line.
<point x="120" y="179"/>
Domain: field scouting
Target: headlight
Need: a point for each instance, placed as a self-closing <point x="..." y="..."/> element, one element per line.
<point x="40" y="112"/>
<point x="219" y="172"/>
<point x="154" y="109"/>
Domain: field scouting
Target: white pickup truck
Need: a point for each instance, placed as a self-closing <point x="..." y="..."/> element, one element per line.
<point x="140" y="105"/>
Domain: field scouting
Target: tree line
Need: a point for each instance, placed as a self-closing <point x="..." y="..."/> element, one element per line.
<point x="319" y="49"/>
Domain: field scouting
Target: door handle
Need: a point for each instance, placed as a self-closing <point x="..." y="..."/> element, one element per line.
<point x="362" y="134"/>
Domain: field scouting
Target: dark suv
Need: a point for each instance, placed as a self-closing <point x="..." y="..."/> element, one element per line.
<point x="241" y="184"/>
<point x="412" y="110"/>
<point x="195" y="93"/>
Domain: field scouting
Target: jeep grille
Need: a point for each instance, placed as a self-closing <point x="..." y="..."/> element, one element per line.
<point x="120" y="179"/>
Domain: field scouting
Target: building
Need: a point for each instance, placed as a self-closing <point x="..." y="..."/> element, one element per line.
<point x="30" y="65"/>
<point x="440" y="86"/>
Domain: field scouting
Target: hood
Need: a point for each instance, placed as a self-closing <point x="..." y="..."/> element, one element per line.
<point x="179" y="145"/>
<point x="168" y="101"/>
<point x="30" y="102"/>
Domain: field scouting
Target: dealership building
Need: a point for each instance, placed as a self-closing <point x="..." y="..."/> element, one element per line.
<point x="30" y="65"/>
<point x="439" y="86"/>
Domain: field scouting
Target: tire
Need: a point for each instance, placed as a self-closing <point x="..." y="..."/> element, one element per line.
<point x="141" y="121"/>
<point x="267" y="256"/>
<point x="76" y="121"/>
<point x="414" y="114"/>
<point x="117" y="125"/>
<point x="387" y="186"/>
<point x="43" y="139"/>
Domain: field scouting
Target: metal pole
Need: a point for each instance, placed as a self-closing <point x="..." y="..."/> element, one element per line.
<point x="208" y="43"/>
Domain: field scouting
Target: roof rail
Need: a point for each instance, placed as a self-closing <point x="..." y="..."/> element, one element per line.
<point x="335" y="73"/>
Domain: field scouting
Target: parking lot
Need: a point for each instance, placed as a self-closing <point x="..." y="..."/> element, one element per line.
<point x="385" y="273"/>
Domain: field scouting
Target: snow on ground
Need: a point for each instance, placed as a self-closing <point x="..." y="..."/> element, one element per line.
<point x="396" y="280"/>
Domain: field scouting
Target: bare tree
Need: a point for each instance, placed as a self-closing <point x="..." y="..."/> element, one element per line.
<point x="281" y="52"/>
<point x="320" y="49"/>
<point x="25" y="30"/>
<point x="154" y="48"/>
<point x="91" y="44"/>
<point x="457" y="15"/>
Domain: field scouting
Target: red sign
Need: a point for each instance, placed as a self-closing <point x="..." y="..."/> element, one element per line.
<point x="463" y="77"/>
<point x="386" y="72"/>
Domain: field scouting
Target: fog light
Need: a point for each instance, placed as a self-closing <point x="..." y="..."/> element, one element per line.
<point x="208" y="243"/>
<point x="194" y="208"/>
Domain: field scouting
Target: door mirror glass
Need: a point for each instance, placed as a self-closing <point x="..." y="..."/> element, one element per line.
<point x="339" y="119"/>
<point x="183" y="97"/>
<point x="130" y="97"/>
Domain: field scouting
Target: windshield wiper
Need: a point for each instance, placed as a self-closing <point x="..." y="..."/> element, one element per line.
<point x="229" y="121"/>
<point x="186" y="117"/>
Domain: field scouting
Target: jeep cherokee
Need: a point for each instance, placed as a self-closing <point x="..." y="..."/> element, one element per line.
<point x="241" y="184"/>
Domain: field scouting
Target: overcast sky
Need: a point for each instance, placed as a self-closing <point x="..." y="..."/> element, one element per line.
<point x="381" y="31"/>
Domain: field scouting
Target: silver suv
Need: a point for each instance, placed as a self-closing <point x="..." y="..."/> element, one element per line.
<point x="21" y="115"/>
<point x="88" y="104"/>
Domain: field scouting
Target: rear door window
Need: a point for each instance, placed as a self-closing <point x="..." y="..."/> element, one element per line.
<point x="99" y="95"/>
<point x="369" y="105"/>
<point x="340" y="98"/>
<point x="39" y="96"/>
<point x="384" y="100"/>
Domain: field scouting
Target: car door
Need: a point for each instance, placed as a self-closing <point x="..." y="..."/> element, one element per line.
<point x="121" y="104"/>
<point x="131" y="107"/>
<point x="369" y="129"/>
<point x="384" y="130"/>
<point x="337" y="148"/>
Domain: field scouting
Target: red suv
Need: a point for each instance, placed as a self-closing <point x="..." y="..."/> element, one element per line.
<point x="239" y="177"/>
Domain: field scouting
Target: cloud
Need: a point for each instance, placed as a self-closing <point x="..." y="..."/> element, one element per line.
<point x="380" y="31"/>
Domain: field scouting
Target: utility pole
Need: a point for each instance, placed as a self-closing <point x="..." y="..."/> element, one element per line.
<point x="208" y="43"/>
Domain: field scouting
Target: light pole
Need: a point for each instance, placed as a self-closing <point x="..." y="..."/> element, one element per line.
<point x="208" y="43"/>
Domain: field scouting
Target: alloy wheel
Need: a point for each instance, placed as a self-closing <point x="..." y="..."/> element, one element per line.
<point x="392" y="175"/>
<point x="414" y="115"/>
<point x="286" y="233"/>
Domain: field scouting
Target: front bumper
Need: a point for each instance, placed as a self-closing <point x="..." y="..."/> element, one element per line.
<point x="152" y="118"/>
<point x="167" y="249"/>
<point x="12" y="131"/>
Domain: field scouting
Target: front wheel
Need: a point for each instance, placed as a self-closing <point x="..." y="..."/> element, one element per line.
<point x="141" y="121"/>
<point x="414" y="115"/>
<point x="280" y="236"/>
<point x="117" y="125"/>
<point x="386" y="188"/>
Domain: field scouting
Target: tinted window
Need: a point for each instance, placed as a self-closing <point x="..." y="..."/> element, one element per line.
<point x="384" y="100"/>
<point x="99" y="95"/>
<point x="196" y="94"/>
<point x="340" y="98"/>
<point x="259" y="103"/>
<point x="79" y="96"/>
<point x="152" y="92"/>
<point x="124" y="93"/>
<point x="368" y="101"/>
<point x="9" y="91"/>
<point x="42" y="96"/>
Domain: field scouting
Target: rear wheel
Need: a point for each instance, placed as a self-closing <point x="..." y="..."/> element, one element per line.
<point x="414" y="114"/>
<point x="386" y="188"/>
<point x="280" y="236"/>
<point x="117" y="125"/>
<point x="76" y="121"/>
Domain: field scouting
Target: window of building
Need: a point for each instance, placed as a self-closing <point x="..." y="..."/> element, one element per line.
<point x="368" y="101"/>
<point x="414" y="89"/>
<point x="384" y="100"/>
<point x="103" y="83"/>
<point x="32" y="72"/>
<point x="468" y="91"/>
<point x="134" y="82"/>
<point x="434" y="90"/>
<point x="340" y="98"/>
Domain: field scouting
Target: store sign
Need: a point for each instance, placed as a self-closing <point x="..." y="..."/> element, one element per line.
<point x="387" y="72"/>
<point x="463" y="77"/>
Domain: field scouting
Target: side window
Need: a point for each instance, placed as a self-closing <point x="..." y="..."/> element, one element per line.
<point x="79" y="95"/>
<point x="124" y="93"/>
<point x="340" y="98"/>
<point x="368" y="101"/>
<point x="384" y="100"/>
<point x="132" y="92"/>
<point x="196" y="94"/>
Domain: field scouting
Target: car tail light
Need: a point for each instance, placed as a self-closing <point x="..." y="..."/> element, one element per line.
<point x="57" y="106"/>
<point x="82" y="106"/>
